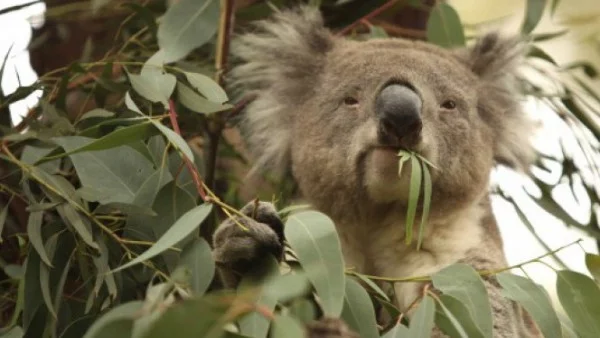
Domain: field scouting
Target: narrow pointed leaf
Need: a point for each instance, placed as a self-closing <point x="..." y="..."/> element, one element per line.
<point x="413" y="197"/>
<point x="184" y="226"/>
<point x="533" y="14"/>
<point x="427" y="187"/>
<point x="82" y="226"/>
<point x="34" y="232"/>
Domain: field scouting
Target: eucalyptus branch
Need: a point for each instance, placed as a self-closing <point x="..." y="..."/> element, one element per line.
<point x="481" y="272"/>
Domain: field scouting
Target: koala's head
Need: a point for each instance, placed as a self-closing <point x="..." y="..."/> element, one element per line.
<point x="335" y="112"/>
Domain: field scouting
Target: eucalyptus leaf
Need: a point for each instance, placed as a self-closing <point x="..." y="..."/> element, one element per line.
<point x="534" y="299"/>
<point x="197" y="103"/>
<point x="454" y="319"/>
<point x="533" y="14"/>
<point x="3" y="215"/>
<point x="119" y="137"/>
<point x="444" y="27"/>
<point x="579" y="294"/>
<point x="398" y="331"/>
<point x="184" y="226"/>
<point x="186" y="25"/>
<point x="117" y="319"/>
<point x="413" y="197"/>
<point x="593" y="264"/>
<point x="34" y="232"/>
<point x="116" y="173"/>
<point x="462" y="282"/>
<point x="358" y="310"/>
<point x="197" y="258"/>
<point x="81" y="225"/>
<point x="427" y="190"/>
<point x="95" y="113"/>
<point x="196" y="317"/>
<point x="154" y="86"/>
<point x="176" y="140"/>
<point x="421" y="323"/>
<point x="207" y="87"/>
<point x="314" y="239"/>
<point x="372" y="285"/>
<point x="287" y="327"/>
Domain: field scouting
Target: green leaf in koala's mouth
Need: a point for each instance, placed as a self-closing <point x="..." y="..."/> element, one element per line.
<point x="419" y="173"/>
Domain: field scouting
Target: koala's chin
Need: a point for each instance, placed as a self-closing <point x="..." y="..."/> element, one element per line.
<point x="381" y="178"/>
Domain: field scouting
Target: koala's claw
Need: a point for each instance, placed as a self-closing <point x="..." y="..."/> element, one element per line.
<point x="238" y="251"/>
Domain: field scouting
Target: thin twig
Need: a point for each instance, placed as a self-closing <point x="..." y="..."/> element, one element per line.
<point x="367" y="17"/>
<point x="190" y="166"/>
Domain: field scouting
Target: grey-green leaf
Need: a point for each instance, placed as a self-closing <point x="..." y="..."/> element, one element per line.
<point x="187" y="24"/>
<point x="421" y="323"/>
<point x="462" y="282"/>
<point x="119" y="315"/>
<point x="413" y="197"/>
<point x="154" y="86"/>
<point x="444" y="27"/>
<point x="533" y="14"/>
<point x="534" y="299"/>
<point x="81" y="225"/>
<point x="117" y="138"/>
<point x="115" y="173"/>
<point x="358" y="310"/>
<point x="314" y="239"/>
<point x="398" y="331"/>
<point x="207" y="87"/>
<point x="197" y="103"/>
<point x="197" y="258"/>
<point x="454" y="319"/>
<point x="579" y="295"/>
<point x="184" y="226"/>
<point x="175" y="139"/>
<point x="593" y="264"/>
<point x="34" y="232"/>
<point x="287" y="327"/>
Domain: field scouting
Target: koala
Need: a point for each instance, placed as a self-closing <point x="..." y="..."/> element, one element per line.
<point x="334" y="112"/>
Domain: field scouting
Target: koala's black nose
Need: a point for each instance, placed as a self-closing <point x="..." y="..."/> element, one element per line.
<point x="399" y="110"/>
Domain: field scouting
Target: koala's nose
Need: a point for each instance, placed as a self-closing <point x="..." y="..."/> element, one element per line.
<point x="399" y="110"/>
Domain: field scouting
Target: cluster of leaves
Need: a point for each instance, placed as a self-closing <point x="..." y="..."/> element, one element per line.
<point x="100" y="227"/>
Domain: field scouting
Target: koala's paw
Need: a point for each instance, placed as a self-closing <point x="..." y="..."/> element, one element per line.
<point x="330" y="328"/>
<point x="238" y="251"/>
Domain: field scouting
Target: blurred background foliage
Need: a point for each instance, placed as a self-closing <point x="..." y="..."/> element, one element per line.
<point x="123" y="159"/>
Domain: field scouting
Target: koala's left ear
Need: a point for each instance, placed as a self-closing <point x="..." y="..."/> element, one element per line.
<point x="493" y="56"/>
<point x="495" y="60"/>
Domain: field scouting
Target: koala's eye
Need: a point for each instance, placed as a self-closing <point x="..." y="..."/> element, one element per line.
<point x="350" y="101"/>
<point x="449" y="104"/>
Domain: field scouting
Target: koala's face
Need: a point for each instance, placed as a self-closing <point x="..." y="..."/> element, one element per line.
<point x="336" y="112"/>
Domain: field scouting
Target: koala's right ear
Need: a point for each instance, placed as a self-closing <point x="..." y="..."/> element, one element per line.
<point x="278" y="63"/>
